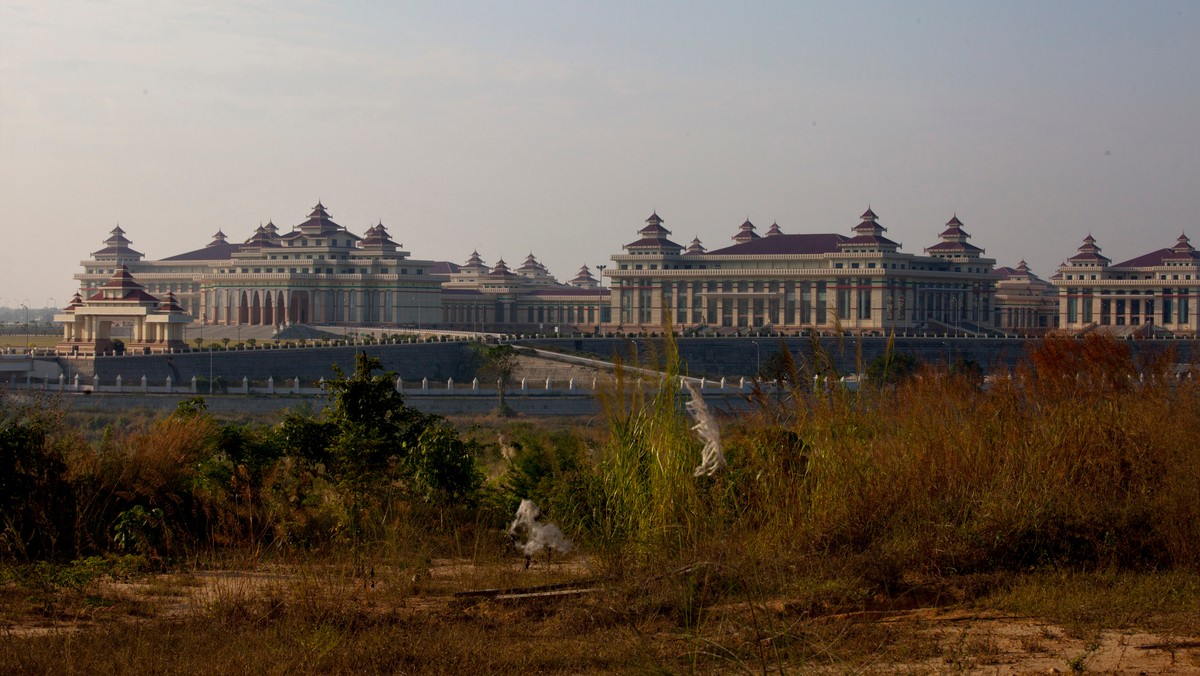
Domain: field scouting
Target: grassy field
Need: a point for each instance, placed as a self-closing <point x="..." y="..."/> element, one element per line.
<point x="21" y="340"/>
<point x="924" y="524"/>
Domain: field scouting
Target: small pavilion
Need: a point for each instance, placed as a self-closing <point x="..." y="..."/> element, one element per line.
<point x="155" y="325"/>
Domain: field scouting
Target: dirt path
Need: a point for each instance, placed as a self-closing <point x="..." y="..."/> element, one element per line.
<point x="923" y="640"/>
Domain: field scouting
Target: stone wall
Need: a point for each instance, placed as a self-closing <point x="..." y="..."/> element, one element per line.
<point x="412" y="361"/>
<point x="733" y="357"/>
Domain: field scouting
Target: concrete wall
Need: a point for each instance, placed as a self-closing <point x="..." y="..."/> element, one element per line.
<point x="532" y="403"/>
<point x="412" y="361"/>
<point x="708" y="357"/>
<point x="732" y="357"/>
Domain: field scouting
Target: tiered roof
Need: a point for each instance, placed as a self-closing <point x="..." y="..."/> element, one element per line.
<point x="745" y="233"/>
<point x="869" y="233"/>
<point x="475" y="264"/>
<point x="76" y="301"/>
<point x="1089" y="253"/>
<point x="954" y="242"/>
<point x="171" y="304"/>
<point x="501" y="270"/>
<point x="122" y="287"/>
<point x="774" y="230"/>
<point x="117" y="247"/>
<point x="695" y="247"/>
<point x="319" y="223"/>
<point x="1021" y="272"/>
<point x="654" y="236"/>
<point x="262" y="238"/>
<point x="531" y="264"/>
<point x="377" y="239"/>
<point x="584" y="279"/>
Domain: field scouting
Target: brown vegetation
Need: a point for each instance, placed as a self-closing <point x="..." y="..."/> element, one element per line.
<point x="927" y="522"/>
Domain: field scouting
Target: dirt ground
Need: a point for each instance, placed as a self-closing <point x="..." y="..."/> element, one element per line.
<point x="955" y="640"/>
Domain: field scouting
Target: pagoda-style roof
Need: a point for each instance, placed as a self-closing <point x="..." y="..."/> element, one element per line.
<point x="695" y="247"/>
<point x="171" y="304"/>
<point x="1089" y="253"/>
<point x="475" y="263"/>
<point x="774" y="230"/>
<point x="1183" y="249"/>
<point x="654" y="226"/>
<point x="954" y="231"/>
<point x="377" y="239"/>
<point x="531" y="264"/>
<point x="76" y="301"/>
<point x="954" y="241"/>
<point x="261" y="238"/>
<point x="584" y="279"/>
<point x="500" y="269"/>
<point x="745" y="232"/>
<point x="869" y="225"/>
<point x="654" y="236"/>
<point x="869" y="233"/>
<point x="319" y="223"/>
<point x="117" y="246"/>
<point x="122" y="287"/>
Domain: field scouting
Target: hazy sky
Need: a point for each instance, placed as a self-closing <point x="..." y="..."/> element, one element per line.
<point x="558" y="126"/>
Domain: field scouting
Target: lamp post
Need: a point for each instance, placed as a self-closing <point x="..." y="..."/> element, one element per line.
<point x="210" y="357"/>
<point x="599" y="296"/>
<point x="757" y="358"/>
<point x="26" y="306"/>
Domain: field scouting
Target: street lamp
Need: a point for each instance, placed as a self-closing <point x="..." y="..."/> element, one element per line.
<point x="757" y="358"/>
<point x="26" y="306"/>
<point x="599" y="296"/>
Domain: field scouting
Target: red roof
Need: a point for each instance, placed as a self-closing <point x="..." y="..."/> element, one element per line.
<point x="212" y="252"/>
<point x="444" y="268"/>
<point x="867" y="240"/>
<point x="652" y="243"/>
<point x="1149" y="260"/>
<point x="954" y="246"/>
<point x="782" y="245"/>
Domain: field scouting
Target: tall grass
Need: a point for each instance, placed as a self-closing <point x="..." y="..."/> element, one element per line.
<point x="1073" y="460"/>
<point x="649" y="504"/>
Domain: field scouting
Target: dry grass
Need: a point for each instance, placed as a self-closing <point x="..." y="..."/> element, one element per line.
<point x="1048" y="521"/>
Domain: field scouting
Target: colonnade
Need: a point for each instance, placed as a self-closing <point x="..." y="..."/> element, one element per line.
<point x="281" y="307"/>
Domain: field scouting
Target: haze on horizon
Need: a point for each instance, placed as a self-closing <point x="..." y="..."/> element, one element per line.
<point x="557" y="127"/>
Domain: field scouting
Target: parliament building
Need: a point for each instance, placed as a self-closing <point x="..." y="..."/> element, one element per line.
<point x="319" y="273"/>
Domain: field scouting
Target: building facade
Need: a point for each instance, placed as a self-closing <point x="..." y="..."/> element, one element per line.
<point x="320" y="273"/>
<point x="789" y="282"/>
<point x="1152" y="294"/>
<point x="1025" y="303"/>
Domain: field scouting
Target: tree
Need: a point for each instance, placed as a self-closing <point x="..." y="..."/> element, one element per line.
<point x="198" y="342"/>
<point x="497" y="364"/>
<point x="892" y="368"/>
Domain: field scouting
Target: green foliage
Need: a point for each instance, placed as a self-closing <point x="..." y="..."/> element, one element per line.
<point x="554" y="470"/>
<point x="138" y="530"/>
<point x="891" y="369"/>
<point x="188" y="408"/>
<point x="442" y="467"/>
<point x="497" y="364"/>
<point x="778" y="366"/>
<point x="649" y="504"/>
<point x="36" y="500"/>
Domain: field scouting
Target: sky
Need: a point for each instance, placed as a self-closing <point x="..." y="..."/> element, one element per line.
<point x="557" y="127"/>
